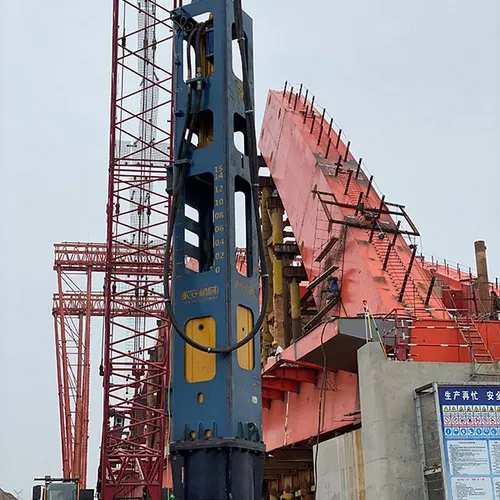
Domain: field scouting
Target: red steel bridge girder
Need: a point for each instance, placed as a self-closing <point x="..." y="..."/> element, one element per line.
<point x="321" y="186"/>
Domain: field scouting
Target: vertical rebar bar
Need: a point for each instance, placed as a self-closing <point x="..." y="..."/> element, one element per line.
<point x="338" y="139"/>
<point x="346" y="190"/>
<point x="347" y="150"/>
<point x="328" y="147"/>
<point x="312" y="123"/>
<point x="429" y="292"/>
<point x="290" y="96"/>
<point x="330" y="127"/>
<point x="407" y="275"/>
<point x="321" y="128"/>
<point x="284" y="90"/>
<point x="376" y="218"/>
<point x="359" y="167"/>
<point x="358" y="205"/>
<point x="339" y="164"/>
<point x="369" y="187"/>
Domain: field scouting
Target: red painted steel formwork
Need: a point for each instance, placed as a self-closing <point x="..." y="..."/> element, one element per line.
<point x="136" y="350"/>
<point x="291" y="393"/>
<point x="323" y="187"/>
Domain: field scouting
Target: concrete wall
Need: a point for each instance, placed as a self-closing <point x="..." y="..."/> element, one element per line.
<point x="389" y="433"/>
<point x="340" y="468"/>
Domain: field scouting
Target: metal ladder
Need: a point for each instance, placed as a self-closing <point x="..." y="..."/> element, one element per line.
<point x="479" y="350"/>
<point x="396" y="269"/>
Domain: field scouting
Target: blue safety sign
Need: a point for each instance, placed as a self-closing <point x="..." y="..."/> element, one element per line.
<point x="470" y="427"/>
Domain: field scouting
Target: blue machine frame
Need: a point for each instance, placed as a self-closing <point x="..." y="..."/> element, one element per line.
<point x="216" y="447"/>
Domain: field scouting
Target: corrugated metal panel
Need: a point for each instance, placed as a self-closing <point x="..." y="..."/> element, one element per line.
<point x="340" y="468"/>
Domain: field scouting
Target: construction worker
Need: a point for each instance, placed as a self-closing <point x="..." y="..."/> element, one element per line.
<point x="333" y="289"/>
<point x="276" y="349"/>
<point x="495" y="305"/>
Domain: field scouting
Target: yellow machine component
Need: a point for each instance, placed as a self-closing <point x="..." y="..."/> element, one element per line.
<point x="207" y="67"/>
<point x="295" y="299"/>
<point x="200" y="366"/>
<point x="206" y="120"/>
<point x="267" y="334"/>
<point x="206" y="131"/>
<point x="277" y="221"/>
<point x="244" y="325"/>
<point x="60" y="489"/>
<point x="278" y="309"/>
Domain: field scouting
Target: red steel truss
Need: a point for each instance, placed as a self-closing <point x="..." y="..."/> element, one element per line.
<point x="72" y="338"/>
<point x="135" y="349"/>
<point x="80" y="297"/>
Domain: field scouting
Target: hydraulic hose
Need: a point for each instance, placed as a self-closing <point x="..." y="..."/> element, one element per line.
<point x="180" y="183"/>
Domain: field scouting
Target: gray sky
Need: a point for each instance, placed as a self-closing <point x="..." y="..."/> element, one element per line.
<point x="413" y="84"/>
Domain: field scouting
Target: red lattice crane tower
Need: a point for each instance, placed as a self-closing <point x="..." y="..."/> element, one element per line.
<point x="80" y="297"/>
<point x="135" y="349"/>
<point x="73" y="306"/>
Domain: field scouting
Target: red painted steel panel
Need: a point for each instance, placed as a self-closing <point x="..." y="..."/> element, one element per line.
<point x="436" y="341"/>
<point x="291" y="152"/>
<point x="303" y="158"/>
<point x="296" y="418"/>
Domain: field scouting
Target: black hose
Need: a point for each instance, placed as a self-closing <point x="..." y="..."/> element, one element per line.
<point x="179" y="187"/>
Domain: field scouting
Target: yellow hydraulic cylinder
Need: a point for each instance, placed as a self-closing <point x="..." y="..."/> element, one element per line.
<point x="267" y="336"/>
<point x="295" y="307"/>
<point x="277" y="235"/>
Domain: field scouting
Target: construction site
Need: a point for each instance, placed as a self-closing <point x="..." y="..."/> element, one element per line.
<point x="269" y="325"/>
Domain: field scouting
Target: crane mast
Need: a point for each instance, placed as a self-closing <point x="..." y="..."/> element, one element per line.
<point x="135" y="351"/>
<point x="216" y="447"/>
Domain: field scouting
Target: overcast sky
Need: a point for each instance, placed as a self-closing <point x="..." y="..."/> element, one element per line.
<point x="414" y="84"/>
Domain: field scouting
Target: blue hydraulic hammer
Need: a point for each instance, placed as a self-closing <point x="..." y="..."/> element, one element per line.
<point x="215" y="399"/>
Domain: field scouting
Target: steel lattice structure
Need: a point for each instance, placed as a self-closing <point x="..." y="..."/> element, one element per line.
<point x="135" y="350"/>
<point x="72" y="339"/>
<point x="79" y="298"/>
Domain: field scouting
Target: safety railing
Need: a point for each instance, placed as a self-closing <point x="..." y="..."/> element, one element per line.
<point x="454" y="269"/>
